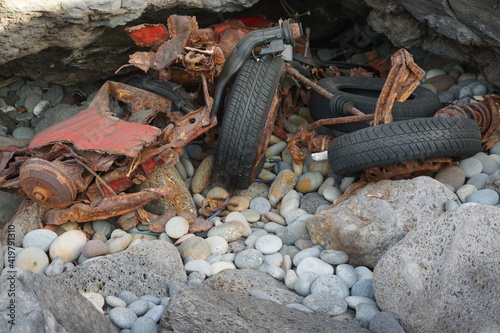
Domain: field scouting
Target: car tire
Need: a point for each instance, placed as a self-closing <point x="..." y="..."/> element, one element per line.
<point x="404" y="141"/>
<point x="363" y="92"/>
<point x="249" y="110"/>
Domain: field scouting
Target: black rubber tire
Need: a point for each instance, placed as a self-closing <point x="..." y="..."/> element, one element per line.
<point x="364" y="92"/>
<point x="404" y="141"/>
<point x="245" y="116"/>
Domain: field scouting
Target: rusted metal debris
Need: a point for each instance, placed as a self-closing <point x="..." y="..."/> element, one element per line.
<point x="407" y="169"/>
<point x="485" y="113"/>
<point x="403" y="78"/>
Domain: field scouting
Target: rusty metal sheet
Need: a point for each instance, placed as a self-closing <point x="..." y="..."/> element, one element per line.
<point x="99" y="131"/>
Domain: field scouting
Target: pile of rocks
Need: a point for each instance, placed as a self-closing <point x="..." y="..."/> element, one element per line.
<point x="282" y="228"/>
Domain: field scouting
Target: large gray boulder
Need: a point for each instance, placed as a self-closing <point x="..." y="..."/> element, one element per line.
<point x="35" y="303"/>
<point x="145" y="269"/>
<point x="197" y="308"/>
<point x="444" y="276"/>
<point x="377" y="216"/>
<point x="10" y="204"/>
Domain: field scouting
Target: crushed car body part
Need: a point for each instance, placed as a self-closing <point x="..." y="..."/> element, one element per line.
<point x="97" y="129"/>
<point x="403" y="78"/>
<point x="107" y="207"/>
<point x="407" y="169"/>
<point x="148" y="35"/>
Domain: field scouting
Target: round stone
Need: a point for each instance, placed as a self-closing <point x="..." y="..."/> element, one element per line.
<point x="283" y="184"/>
<point x="334" y="257"/>
<point x="450" y="205"/>
<point x="276" y="272"/>
<point x="144" y="325"/>
<point x="274" y="259"/>
<point x="155" y="313"/>
<point x="484" y="197"/>
<point x="94" y="248"/>
<point x="363" y="273"/>
<point x="203" y="175"/>
<point x="238" y="203"/>
<point x="176" y="227"/>
<point x="23" y="133"/>
<point x="249" y="258"/>
<point x="331" y="193"/>
<point x="221" y="266"/>
<point x="452" y="175"/>
<point x="217" y="244"/>
<point x="151" y="299"/>
<point x="314" y="251"/>
<point x="309" y="182"/>
<point x="291" y="279"/>
<point x="68" y="246"/>
<point x="433" y="73"/>
<point x="465" y="191"/>
<point x="471" y="166"/>
<point x="268" y="244"/>
<point x="198" y="265"/>
<point x="230" y="231"/>
<point x="495" y="149"/>
<point x="275" y="149"/>
<point x="290" y="202"/>
<point x="96" y="299"/>
<point x="128" y="296"/>
<point x="115" y="302"/>
<point x="303" y="283"/>
<point x="41" y="238"/>
<point x="326" y="303"/>
<point x="354" y="301"/>
<point x="103" y="227"/>
<point x="366" y="311"/>
<point x="139" y="307"/>
<point x="261" y="205"/>
<point x="330" y="284"/>
<point x="217" y="192"/>
<point x="347" y="273"/>
<point x="363" y="288"/>
<point x="195" y="247"/>
<point x="119" y="241"/>
<point x="274" y="217"/>
<point x="316" y="265"/>
<point x="122" y="317"/>
<point x="320" y="166"/>
<point x="251" y="215"/>
<point x="488" y="163"/>
<point x="33" y="259"/>
<point x="237" y="216"/>
<point x="55" y="267"/>
<point x="479" y="181"/>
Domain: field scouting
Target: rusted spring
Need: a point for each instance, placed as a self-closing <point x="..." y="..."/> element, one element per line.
<point x="486" y="117"/>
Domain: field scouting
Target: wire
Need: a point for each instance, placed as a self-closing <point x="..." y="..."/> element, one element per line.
<point x="145" y="232"/>
<point x="220" y="210"/>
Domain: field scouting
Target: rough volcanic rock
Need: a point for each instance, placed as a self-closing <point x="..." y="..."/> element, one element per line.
<point x="444" y="275"/>
<point x="145" y="269"/>
<point x="197" y="308"/>
<point x="377" y="216"/>
<point x="42" y="305"/>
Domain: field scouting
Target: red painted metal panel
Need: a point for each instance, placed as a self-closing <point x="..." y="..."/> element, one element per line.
<point x="99" y="131"/>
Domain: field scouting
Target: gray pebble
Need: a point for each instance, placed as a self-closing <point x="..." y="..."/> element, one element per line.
<point x="464" y="191"/>
<point x="140" y="307"/>
<point x="311" y="201"/>
<point x="128" y="296"/>
<point x="213" y="258"/>
<point x="250" y="258"/>
<point x="155" y="313"/>
<point x="484" y="197"/>
<point x="228" y="257"/>
<point x="115" y="302"/>
<point x="330" y="284"/>
<point x="274" y="259"/>
<point x="54" y="95"/>
<point x="334" y="257"/>
<point x="122" y="317"/>
<point x="465" y="92"/>
<point x="268" y="244"/>
<point x="165" y="301"/>
<point x="353" y="301"/>
<point x="478" y="89"/>
<point x="294" y="215"/>
<point x="314" y="251"/>
<point x="366" y="311"/>
<point x="303" y="283"/>
<point x="41" y="238"/>
<point x="445" y="97"/>
<point x="14" y="86"/>
<point x="347" y="273"/>
<point x="329" y="304"/>
<point x="23" y="133"/>
<point x="198" y="265"/>
<point x="479" y="181"/>
<point x="363" y="288"/>
<point x="471" y="166"/>
<point x="495" y="149"/>
<point x="31" y="101"/>
<point x="489" y="164"/>
<point x="55" y="267"/>
<point x="363" y="272"/>
<point x="450" y="205"/>
<point x="144" y="325"/>
<point x="384" y="322"/>
<point x="276" y="272"/>
<point x="24" y="116"/>
<point x="261" y="205"/>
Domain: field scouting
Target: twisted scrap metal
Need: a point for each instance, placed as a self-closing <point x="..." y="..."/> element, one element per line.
<point x="485" y="113"/>
<point x="403" y="78"/>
